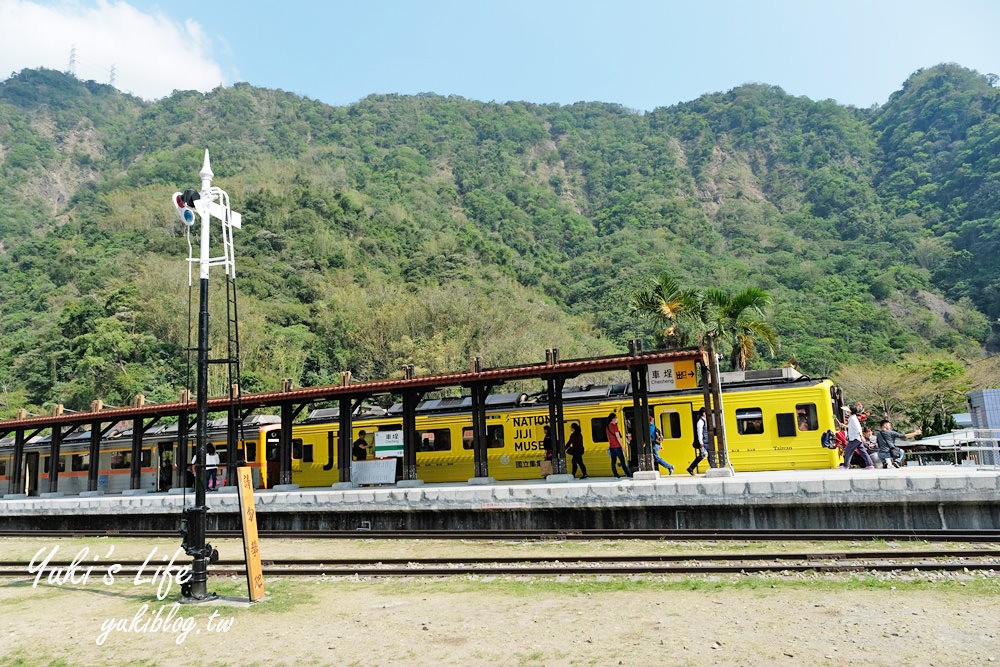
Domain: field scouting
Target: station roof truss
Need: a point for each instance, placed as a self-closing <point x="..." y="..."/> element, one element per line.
<point x="360" y="390"/>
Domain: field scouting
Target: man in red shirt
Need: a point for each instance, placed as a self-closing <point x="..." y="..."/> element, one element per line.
<point x="615" y="445"/>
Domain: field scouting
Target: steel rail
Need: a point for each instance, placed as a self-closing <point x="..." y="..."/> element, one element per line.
<point x="954" y="535"/>
<point x="527" y="560"/>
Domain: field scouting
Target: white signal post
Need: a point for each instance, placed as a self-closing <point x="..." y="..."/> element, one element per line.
<point x="210" y="202"/>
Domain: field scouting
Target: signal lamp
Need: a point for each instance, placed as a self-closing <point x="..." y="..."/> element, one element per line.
<point x="184" y="203"/>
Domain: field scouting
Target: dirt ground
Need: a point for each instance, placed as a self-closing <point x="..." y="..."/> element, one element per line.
<point x="554" y="620"/>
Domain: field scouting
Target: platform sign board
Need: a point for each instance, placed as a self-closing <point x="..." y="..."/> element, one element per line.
<point x="251" y="543"/>
<point x="672" y="375"/>
<point x="388" y="443"/>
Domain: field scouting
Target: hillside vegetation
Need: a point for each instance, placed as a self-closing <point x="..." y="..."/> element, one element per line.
<point x="427" y="229"/>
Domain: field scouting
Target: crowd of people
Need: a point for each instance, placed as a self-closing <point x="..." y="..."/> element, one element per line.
<point x="877" y="449"/>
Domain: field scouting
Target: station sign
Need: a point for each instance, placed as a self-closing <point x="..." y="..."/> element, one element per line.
<point x="251" y="541"/>
<point x="672" y="375"/>
<point x="388" y="443"/>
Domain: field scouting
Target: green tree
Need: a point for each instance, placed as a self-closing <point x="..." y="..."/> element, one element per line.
<point x="737" y="319"/>
<point x="675" y="310"/>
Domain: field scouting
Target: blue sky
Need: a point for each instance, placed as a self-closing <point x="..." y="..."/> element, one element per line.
<point x="643" y="54"/>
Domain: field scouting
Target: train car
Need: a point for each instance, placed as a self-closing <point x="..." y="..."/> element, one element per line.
<point x="774" y="420"/>
<point x="73" y="465"/>
<point x="157" y="465"/>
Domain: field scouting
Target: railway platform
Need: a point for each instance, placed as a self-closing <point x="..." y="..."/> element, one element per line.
<point x="918" y="497"/>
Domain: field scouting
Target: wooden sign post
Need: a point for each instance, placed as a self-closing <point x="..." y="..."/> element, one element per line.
<point x="251" y="544"/>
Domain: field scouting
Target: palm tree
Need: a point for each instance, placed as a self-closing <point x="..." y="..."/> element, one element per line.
<point x="738" y="319"/>
<point x="677" y="311"/>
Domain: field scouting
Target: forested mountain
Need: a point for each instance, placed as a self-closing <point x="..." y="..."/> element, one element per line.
<point x="429" y="229"/>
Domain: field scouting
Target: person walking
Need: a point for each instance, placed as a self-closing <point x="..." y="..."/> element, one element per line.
<point x="886" y="439"/>
<point x="575" y="449"/>
<point x="700" y="441"/>
<point x="656" y="438"/>
<point x="212" y="461"/>
<point x="615" y="448"/>
<point x="854" y="442"/>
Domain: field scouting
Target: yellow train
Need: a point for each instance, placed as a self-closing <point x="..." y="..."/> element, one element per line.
<point x="774" y="420"/>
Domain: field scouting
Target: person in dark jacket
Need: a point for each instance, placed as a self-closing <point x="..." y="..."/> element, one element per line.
<point x="575" y="449"/>
<point x="360" y="447"/>
<point x="886" y="439"/>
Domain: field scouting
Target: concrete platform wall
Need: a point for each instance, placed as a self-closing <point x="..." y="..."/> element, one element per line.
<point x="945" y="499"/>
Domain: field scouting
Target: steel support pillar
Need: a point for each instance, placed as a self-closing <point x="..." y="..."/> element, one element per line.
<point x="285" y="444"/>
<point x="345" y="431"/>
<point x="95" y="455"/>
<point x="641" y="453"/>
<point x="55" y="445"/>
<point x="410" y="436"/>
<point x="17" y="464"/>
<point x="557" y="425"/>
<point x="135" y="469"/>
<point x="480" y="442"/>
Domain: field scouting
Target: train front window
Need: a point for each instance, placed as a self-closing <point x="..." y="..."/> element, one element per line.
<point x="749" y="421"/>
<point x="806" y="418"/>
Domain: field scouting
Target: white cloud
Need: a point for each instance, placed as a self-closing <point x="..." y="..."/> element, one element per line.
<point x="151" y="54"/>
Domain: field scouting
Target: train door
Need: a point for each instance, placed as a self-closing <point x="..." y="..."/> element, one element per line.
<point x="271" y="446"/>
<point x="31" y="473"/>
<point x="165" y="457"/>
<point x="676" y="423"/>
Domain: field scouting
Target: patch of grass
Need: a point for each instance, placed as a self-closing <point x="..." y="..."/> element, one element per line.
<point x="600" y="584"/>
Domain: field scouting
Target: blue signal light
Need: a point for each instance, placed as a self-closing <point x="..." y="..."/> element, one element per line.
<point x="184" y="204"/>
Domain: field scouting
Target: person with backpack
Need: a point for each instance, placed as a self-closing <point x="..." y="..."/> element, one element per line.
<point x="656" y="438"/>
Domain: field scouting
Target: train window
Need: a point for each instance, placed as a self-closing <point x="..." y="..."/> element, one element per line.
<point x="670" y="425"/>
<point x="805" y="414"/>
<point x="80" y="462"/>
<point x="749" y="421"/>
<point x="297" y="448"/>
<point x="251" y="451"/>
<point x="120" y="460"/>
<point x="786" y="424"/>
<point x="62" y="464"/>
<point x="494" y="437"/>
<point x="307" y="453"/>
<point x="146" y="459"/>
<point x="438" y="440"/>
<point x="3" y="467"/>
<point x="597" y="429"/>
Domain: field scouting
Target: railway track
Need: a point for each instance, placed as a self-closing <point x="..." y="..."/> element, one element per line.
<point x="969" y="536"/>
<point x="856" y="561"/>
